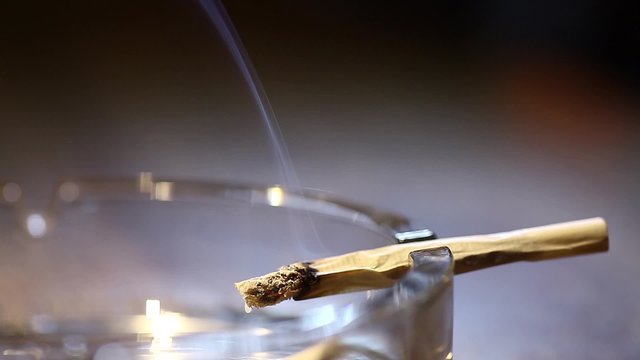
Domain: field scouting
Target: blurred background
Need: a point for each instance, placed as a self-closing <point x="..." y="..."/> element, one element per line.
<point x="467" y="117"/>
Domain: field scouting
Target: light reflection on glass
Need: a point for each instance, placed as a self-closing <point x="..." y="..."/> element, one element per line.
<point x="322" y="316"/>
<point x="166" y="356"/>
<point x="163" y="191"/>
<point x="145" y="182"/>
<point x="152" y="309"/>
<point x="75" y="346"/>
<point x="262" y="331"/>
<point x="275" y="196"/>
<point x="261" y="355"/>
<point x="163" y="325"/>
<point x="28" y="353"/>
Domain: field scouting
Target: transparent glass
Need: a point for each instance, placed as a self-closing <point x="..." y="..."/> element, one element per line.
<point x="144" y="269"/>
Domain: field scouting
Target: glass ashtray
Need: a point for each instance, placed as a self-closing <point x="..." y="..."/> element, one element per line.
<point x="143" y="268"/>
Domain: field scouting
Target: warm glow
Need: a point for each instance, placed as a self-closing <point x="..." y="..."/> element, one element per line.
<point x="262" y="331"/>
<point x="153" y="309"/>
<point x="275" y="196"/>
<point x="163" y="329"/>
<point x="163" y="191"/>
<point x="163" y="325"/>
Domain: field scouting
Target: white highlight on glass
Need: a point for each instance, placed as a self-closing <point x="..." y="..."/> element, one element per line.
<point x="262" y="331"/>
<point x="163" y="325"/>
<point x="11" y="192"/>
<point x="145" y="182"/>
<point x="36" y="225"/>
<point x="275" y="196"/>
<point x="164" y="328"/>
<point x="163" y="191"/>
<point x="29" y="353"/>
<point x="152" y="309"/>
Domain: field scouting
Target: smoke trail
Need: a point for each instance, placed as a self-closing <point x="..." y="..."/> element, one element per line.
<point x="219" y="17"/>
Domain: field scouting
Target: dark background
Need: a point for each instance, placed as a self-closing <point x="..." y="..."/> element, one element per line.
<point x="469" y="117"/>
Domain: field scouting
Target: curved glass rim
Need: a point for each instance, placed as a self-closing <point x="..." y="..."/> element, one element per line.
<point x="147" y="188"/>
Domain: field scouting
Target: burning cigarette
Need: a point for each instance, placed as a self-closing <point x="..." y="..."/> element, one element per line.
<point x="382" y="267"/>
